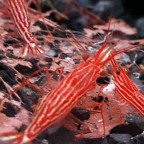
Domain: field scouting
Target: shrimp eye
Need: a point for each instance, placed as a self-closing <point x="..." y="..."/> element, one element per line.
<point x="118" y="72"/>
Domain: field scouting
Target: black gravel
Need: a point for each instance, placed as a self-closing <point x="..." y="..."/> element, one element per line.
<point x="81" y="114"/>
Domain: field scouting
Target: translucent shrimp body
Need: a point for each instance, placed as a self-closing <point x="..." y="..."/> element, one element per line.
<point x="55" y="106"/>
<point x="20" y="16"/>
<point x="126" y="88"/>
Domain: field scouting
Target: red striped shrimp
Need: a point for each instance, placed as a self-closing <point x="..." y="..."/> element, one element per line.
<point x="56" y="105"/>
<point x="125" y="88"/>
<point x="20" y="16"/>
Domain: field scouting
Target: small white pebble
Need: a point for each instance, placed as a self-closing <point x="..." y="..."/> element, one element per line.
<point x="109" y="88"/>
<point x="44" y="141"/>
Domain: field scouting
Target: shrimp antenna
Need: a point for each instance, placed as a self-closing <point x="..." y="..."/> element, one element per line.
<point x="108" y="33"/>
